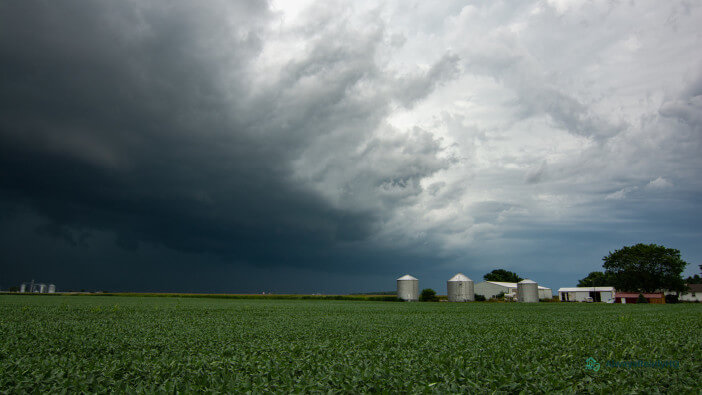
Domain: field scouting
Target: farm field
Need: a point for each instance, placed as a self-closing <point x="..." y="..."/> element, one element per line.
<point x="146" y="344"/>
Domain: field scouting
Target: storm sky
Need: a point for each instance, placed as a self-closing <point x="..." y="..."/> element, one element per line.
<point x="332" y="147"/>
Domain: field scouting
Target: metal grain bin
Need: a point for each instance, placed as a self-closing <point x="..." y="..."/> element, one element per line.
<point x="460" y="289"/>
<point x="52" y="288"/>
<point x="23" y="287"/>
<point x="527" y="291"/>
<point x="408" y="288"/>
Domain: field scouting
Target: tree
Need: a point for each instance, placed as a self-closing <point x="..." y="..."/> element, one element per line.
<point x="503" y="276"/>
<point x="428" y="295"/>
<point x="645" y="268"/>
<point x="595" y="279"/>
<point x="696" y="279"/>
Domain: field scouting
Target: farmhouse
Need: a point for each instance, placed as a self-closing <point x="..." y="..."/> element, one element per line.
<point x="490" y="289"/>
<point x="586" y="294"/>
<point x="633" y="297"/>
<point x="693" y="295"/>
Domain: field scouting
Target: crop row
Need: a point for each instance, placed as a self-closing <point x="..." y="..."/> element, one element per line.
<point x="98" y="344"/>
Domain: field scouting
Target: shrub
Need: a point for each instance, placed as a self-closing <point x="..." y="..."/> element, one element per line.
<point x="479" y="298"/>
<point x="428" y="295"/>
<point x="671" y="299"/>
<point x="642" y="299"/>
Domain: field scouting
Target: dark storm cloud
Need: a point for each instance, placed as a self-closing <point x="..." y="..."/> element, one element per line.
<point x="224" y="145"/>
<point x="142" y="119"/>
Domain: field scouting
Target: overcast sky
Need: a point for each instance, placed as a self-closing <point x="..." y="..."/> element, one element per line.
<point x="300" y="146"/>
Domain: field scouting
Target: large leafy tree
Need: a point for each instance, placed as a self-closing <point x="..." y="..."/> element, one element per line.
<point x="645" y="268"/>
<point x="503" y="276"/>
<point x="596" y="279"/>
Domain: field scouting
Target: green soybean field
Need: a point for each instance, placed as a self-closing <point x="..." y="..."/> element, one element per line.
<point x="54" y="344"/>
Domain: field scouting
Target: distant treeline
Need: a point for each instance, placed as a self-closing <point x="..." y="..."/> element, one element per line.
<point x="359" y="297"/>
<point x="375" y="293"/>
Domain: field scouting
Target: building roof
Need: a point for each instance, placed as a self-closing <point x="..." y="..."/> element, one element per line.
<point x="510" y="285"/>
<point x="406" y="277"/>
<point x="695" y="287"/>
<point x="636" y="295"/>
<point x="587" y="289"/>
<point x="460" y="277"/>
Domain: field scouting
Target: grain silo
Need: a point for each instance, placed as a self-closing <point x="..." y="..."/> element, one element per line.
<point x="460" y="289"/>
<point x="23" y="287"/>
<point x="527" y="291"/>
<point x="42" y="288"/>
<point x="408" y="288"/>
<point x="52" y="288"/>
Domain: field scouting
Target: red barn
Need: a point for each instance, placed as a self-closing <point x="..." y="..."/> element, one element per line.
<point x="632" y="297"/>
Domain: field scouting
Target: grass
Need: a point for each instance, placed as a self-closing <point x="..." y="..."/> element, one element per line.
<point x="156" y="344"/>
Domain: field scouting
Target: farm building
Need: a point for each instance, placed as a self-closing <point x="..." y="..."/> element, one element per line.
<point x="37" y="288"/>
<point x="693" y="295"/>
<point x="633" y="297"/>
<point x="586" y="294"/>
<point x="490" y="289"/>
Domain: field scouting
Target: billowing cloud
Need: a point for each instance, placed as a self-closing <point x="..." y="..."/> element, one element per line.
<point x="659" y="183"/>
<point x="330" y="138"/>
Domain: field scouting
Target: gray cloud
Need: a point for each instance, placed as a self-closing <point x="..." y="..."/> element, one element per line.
<point x="233" y="138"/>
<point x="687" y="108"/>
<point x="143" y="121"/>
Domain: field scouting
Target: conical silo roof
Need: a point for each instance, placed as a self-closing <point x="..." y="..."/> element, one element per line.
<point x="527" y="281"/>
<point x="460" y="277"/>
<point x="406" y="277"/>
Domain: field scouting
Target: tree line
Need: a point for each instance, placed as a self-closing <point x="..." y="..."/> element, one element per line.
<point x="642" y="268"/>
<point x="638" y="268"/>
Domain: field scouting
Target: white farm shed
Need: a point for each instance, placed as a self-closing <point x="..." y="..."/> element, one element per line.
<point x="586" y="294"/>
<point x="490" y="289"/>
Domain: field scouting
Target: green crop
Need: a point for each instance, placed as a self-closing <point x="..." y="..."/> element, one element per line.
<point x="146" y="344"/>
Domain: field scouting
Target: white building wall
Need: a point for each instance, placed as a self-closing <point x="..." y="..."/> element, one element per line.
<point x="582" y="296"/>
<point x="490" y="290"/>
<point x="607" y="296"/>
<point x="545" y="294"/>
<point x="691" y="297"/>
<point x="688" y="297"/>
